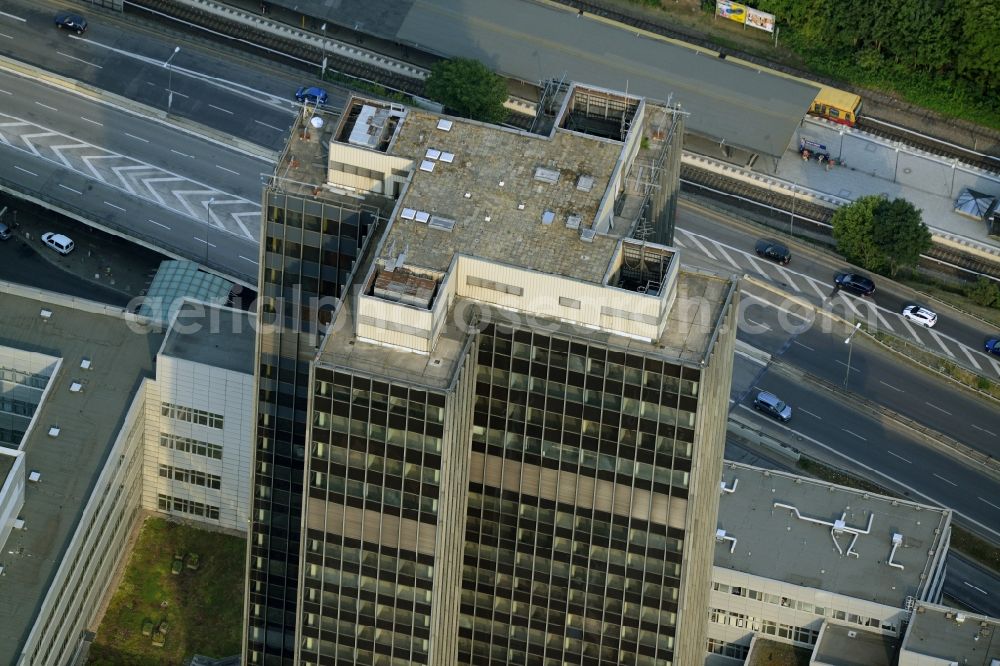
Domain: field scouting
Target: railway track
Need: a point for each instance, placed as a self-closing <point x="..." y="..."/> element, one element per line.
<point x="777" y="208"/>
<point x="273" y="47"/>
<point x="928" y="144"/>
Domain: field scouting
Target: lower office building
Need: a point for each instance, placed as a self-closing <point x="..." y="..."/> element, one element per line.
<point x="517" y="414"/>
<point x="808" y="562"/>
<point x="105" y="420"/>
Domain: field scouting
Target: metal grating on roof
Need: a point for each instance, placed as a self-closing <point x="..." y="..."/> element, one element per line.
<point x="443" y="223"/>
<point x="573" y="221"/>
<point x="547" y="175"/>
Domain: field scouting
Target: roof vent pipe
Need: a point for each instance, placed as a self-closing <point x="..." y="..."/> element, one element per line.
<point x="897" y="540"/>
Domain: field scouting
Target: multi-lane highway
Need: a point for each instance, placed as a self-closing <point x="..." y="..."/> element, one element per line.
<point x="109" y="154"/>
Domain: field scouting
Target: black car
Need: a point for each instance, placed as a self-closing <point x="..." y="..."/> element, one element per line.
<point x="773" y="251"/>
<point x="71" y="21"/>
<point x="856" y="284"/>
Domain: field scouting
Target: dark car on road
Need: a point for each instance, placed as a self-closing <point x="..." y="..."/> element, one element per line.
<point x="71" y="21"/>
<point x="311" y="94"/>
<point x="772" y="406"/>
<point x="856" y="284"/>
<point x="993" y="346"/>
<point x="772" y="250"/>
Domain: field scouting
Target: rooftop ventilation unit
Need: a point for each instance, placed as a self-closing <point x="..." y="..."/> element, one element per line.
<point x="442" y="223"/>
<point x="447" y="158"/>
<point x="587" y="235"/>
<point x="422" y="216"/>
<point x="85" y="364"/>
<point x="427" y="166"/>
<point x="408" y="213"/>
<point x="573" y="221"/>
<point x="520" y="206"/>
<point x="75" y="387"/>
<point x="432" y="154"/>
<point x="548" y="217"/>
<point x="585" y="183"/>
<point x="45" y="314"/>
<point x="546" y="175"/>
<point x="34" y="476"/>
<point x="54" y="431"/>
<point x="444" y="125"/>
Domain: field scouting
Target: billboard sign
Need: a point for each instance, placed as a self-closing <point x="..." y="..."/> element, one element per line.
<point x="734" y="11"/>
<point x="760" y="20"/>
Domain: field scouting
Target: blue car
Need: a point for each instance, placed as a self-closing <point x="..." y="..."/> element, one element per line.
<point x="71" y="21"/>
<point x="993" y="346"/>
<point x="311" y="94"/>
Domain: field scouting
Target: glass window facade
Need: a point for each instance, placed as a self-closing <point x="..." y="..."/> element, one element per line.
<point x="310" y="250"/>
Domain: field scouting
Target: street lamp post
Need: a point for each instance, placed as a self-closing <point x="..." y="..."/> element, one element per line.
<point x="791" y="219"/>
<point x="170" y="79"/>
<point x="322" y="73"/>
<point x="849" y="348"/>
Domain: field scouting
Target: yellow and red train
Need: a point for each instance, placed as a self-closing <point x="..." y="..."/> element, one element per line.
<point x="836" y="105"/>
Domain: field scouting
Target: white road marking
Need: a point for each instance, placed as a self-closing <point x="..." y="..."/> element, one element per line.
<point x="760" y="324"/>
<point x="757" y="267"/>
<point x="202" y="240"/>
<point x="25" y="170"/>
<point x="67" y="187"/>
<point x="988" y="432"/>
<point x="806" y="411"/>
<point x="66" y="55"/>
<point x="774" y="306"/>
<point x="854" y="434"/>
<point x="996" y="366"/>
<point x="160" y="225"/>
<point x="179" y="94"/>
<point x="271" y="126"/>
<point x="815" y="285"/>
<point x="47" y="106"/>
<point x="704" y="250"/>
<point x="229" y="170"/>
<point x="890" y="386"/>
<point x="788" y="277"/>
<point x="137" y="138"/>
<point x="679" y="243"/>
<point x="850" y="304"/>
<point x="4" y="34"/>
<point x="988" y="502"/>
<point x="179" y="153"/>
<point x="219" y="108"/>
<point x="255" y="263"/>
<point x="975" y="588"/>
<point x="851" y="367"/>
<point x="913" y="332"/>
<point x="16" y="18"/>
<point x="885" y="322"/>
<point x="896" y="455"/>
<point x="944" y="411"/>
<point x="937" y="339"/>
<point x="108" y="203"/>
<point x="6" y="92"/>
<point x="946" y="480"/>
<point x="972" y="358"/>
<point x="796" y="342"/>
<point x="725" y="255"/>
<point x="92" y="121"/>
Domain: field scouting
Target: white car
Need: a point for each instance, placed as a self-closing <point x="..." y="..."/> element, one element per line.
<point x="61" y="244"/>
<point x="920" y="315"/>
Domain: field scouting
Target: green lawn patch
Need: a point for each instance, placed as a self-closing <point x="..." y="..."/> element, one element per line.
<point x="158" y="617"/>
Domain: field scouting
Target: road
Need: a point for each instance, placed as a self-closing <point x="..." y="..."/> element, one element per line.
<point x="124" y="56"/>
<point x="164" y="187"/>
<point x="976" y="588"/>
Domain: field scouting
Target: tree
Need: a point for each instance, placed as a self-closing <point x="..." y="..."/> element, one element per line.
<point x="984" y="292"/>
<point x="468" y="88"/>
<point x="881" y="235"/>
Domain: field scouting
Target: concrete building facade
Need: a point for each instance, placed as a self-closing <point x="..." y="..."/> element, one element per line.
<point x="515" y="416"/>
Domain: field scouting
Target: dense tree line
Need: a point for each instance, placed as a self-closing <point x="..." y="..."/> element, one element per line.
<point x="943" y="46"/>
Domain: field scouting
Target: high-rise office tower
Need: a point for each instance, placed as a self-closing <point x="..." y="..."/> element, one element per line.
<point x="515" y="421"/>
<point x="312" y="239"/>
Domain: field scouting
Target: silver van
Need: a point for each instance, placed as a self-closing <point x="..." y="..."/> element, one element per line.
<point x="772" y="406"/>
